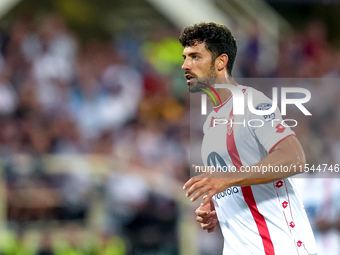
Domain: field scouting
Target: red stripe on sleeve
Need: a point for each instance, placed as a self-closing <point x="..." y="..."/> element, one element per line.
<point x="280" y="141"/>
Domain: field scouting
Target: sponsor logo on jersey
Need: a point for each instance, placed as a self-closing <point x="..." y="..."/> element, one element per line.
<point x="214" y="159"/>
<point x="280" y="128"/>
<point x="228" y="192"/>
<point x="279" y="184"/>
<point x="263" y="107"/>
<point x="269" y="117"/>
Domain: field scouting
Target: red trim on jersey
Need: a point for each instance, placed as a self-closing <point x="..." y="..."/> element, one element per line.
<point x="259" y="220"/>
<point x="290" y="207"/>
<point x="232" y="150"/>
<point x="280" y="141"/>
<point x="284" y="214"/>
<point x="213" y="90"/>
<point x="303" y="244"/>
<point x="231" y="146"/>
<point x="249" y="197"/>
<point x="217" y="108"/>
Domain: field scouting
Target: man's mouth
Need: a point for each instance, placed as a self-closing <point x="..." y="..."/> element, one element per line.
<point x="189" y="78"/>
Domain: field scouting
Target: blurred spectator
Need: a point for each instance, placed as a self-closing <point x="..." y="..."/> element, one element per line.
<point x="125" y="196"/>
<point x="123" y="91"/>
<point x="53" y="66"/>
<point x="8" y="96"/>
<point x="75" y="190"/>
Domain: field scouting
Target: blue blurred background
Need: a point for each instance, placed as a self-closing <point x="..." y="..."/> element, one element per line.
<point x="94" y="130"/>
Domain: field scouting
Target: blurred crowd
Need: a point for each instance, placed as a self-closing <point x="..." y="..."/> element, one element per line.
<point x="66" y="98"/>
<point x="126" y="99"/>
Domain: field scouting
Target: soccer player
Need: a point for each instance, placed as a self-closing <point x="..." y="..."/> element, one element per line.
<point x="258" y="212"/>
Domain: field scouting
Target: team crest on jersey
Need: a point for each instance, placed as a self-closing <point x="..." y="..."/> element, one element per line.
<point x="230" y="125"/>
<point x="212" y="122"/>
<point x="217" y="121"/>
<point x="263" y="107"/>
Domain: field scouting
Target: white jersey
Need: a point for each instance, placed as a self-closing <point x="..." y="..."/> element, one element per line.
<point x="260" y="219"/>
<point x="321" y="198"/>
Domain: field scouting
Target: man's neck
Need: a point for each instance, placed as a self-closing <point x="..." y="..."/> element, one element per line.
<point x="223" y="93"/>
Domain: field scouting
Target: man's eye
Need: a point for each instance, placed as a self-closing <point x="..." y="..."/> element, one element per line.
<point x="195" y="57"/>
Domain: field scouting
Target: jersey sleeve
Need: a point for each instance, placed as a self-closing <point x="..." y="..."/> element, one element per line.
<point x="268" y="129"/>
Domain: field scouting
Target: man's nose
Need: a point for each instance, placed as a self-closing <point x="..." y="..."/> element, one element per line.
<point x="186" y="65"/>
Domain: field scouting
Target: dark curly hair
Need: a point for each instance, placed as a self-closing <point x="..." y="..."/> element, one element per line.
<point x="217" y="38"/>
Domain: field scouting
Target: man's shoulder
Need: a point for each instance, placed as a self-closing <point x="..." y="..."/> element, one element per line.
<point x="257" y="95"/>
<point x="258" y="99"/>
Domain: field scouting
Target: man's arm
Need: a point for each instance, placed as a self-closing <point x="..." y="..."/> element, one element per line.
<point x="287" y="153"/>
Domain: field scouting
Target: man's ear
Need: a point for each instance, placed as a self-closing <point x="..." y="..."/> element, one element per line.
<point x="221" y="62"/>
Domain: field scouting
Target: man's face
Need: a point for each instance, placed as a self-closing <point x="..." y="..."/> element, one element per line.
<point x="198" y="65"/>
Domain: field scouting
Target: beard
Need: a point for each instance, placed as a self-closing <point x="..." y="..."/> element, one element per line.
<point x="198" y="83"/>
